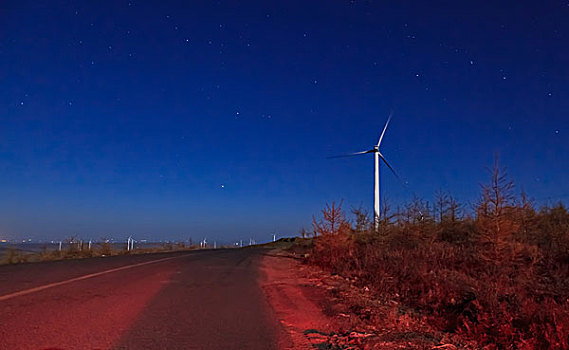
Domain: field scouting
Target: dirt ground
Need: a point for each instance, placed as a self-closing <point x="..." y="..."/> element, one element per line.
<point x="324" y="311"/>
<point x="301" y="298"/>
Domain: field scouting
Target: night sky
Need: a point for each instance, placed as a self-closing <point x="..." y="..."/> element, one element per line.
<point x="177" y="119"/>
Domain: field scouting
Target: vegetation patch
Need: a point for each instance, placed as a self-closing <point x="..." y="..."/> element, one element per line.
<point x="77" y="249"/>
<point x="494" y="278"/>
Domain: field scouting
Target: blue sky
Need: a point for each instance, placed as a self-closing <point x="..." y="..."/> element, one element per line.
<point x="172" y="119"/>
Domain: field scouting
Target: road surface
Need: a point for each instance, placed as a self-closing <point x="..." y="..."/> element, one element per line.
<point x="190" y="300"/>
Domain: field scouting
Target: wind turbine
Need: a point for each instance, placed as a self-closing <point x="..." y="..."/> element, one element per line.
<point x="377" y="205"/>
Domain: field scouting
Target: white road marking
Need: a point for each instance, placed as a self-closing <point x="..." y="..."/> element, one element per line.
<point x="84" y="277"/>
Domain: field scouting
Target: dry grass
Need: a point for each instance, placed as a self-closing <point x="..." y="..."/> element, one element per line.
<point x="77" y="250"/>
<point x="498" y="279"/>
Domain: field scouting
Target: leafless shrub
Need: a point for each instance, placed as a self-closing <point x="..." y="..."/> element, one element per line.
<point x="14" y="256"/>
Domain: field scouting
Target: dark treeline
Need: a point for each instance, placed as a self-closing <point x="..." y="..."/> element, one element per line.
<point x="495" y="274"/>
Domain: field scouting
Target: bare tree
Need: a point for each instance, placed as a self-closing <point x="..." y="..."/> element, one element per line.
<point x="454" y="209"/>
<point x="418" y="211"/>
<point x="441" y="204"/>
<point x="363" y="221"/>
<point x="447" y="209"/>
<point x="333" y="220"/>
<point x="497" y="200"/>
<point x="526" y="218"/>
<point x="385" y="215"/>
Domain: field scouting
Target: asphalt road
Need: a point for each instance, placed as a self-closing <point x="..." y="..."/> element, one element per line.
<point x="195" y="300"/>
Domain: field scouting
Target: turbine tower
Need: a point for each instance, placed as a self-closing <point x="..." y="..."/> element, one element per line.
<point x="378" y="158"/>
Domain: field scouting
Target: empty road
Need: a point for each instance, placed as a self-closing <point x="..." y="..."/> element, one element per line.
<point x="189" y="300"/>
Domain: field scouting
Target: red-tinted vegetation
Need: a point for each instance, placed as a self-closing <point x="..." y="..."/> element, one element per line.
<point x="498" y="278"/>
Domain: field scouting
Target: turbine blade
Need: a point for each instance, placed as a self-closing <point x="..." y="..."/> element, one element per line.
<point x="384" y="128"/>
<point x="389" y="166"/>
<point x="352" y="154"/>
